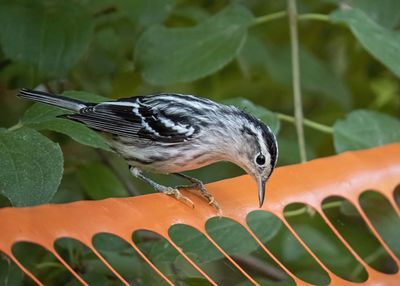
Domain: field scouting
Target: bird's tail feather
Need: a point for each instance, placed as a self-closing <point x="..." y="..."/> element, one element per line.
<point x="52" y="99"/>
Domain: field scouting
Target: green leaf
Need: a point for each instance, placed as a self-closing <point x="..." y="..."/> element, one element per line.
<point x="110" y="243"/>
<point x="229" y="233"/>
<point x="51" y="36"/>
<point x="99" y="182"/>
<point x="147" y="12"/>
<point x="44" y="117"/>
<point x="31" y="167"/>
<point x="386" y="92"/>
<point x="365" y="129"/>
<point x="196" y="14"/>
<point x="85" y="96"/>
<point x="10" y="274"/>
<point x="289" y="149"/>
<point x="170" y="55"/>
<point x="93" y="278"/>
<point x="266" y="116"/>
<point x="194" y="281"/>
<point x="382" y="43"/>
<point x="384" y="12"/>
<point x="4" y="202"/>
<point x="314" y="231"/>
<point x="383" y="217"/>
<point x="126" y="265"/>
<point x="224" y="231"/>
<point x="316" y="75"/>
<point x="263" y="224"/>
<point x="141" y="12"/>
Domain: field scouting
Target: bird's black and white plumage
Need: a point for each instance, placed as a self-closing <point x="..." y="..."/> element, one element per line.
<point x="171" y="133"/>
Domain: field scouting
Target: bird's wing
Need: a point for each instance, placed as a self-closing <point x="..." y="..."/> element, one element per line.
<point x="142" y="118"/>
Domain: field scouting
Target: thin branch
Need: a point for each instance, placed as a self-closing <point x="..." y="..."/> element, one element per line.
<point x="126" y="182"/>
<point x="298" y="108"/>
<point x="50" y="264"/>
<point x="15" y="127"/>
<point x="306" y="122"/>
<point x="310" y="210"/>
<point x="369" y="259"/>
<point x="269" y="17"/>
<point x="314" y="16"/>
<point x="282" y="14"/>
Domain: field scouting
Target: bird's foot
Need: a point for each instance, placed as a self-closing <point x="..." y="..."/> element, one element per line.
<point x="199" y="186"/>
<point x="177" y="194"/>
<point x="212" y="202"/>
<point x="162" y="189"/>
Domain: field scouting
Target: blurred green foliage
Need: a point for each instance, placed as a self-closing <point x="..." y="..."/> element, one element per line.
<point x="232" y="51"/>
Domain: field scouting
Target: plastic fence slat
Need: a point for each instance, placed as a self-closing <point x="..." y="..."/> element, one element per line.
<point x="346" y="175"/>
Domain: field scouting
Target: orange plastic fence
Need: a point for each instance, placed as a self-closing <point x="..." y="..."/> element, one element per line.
<point x="346" y="175"/>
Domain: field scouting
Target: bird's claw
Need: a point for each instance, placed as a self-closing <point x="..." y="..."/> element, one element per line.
<point x="210" y="198"/>
<point x="212" y="202"/>
<point x="178" y="195"/>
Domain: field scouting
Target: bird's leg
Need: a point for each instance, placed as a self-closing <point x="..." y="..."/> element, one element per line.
<point x="198" y="185"/>
<point x="160" y="188"/>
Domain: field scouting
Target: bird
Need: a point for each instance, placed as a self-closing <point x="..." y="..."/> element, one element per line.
<point x="171" y="133"/>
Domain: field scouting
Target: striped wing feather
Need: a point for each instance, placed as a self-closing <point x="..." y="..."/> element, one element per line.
<point x="140" y="118"/>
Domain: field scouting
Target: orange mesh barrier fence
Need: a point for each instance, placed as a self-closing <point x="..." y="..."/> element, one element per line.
<point x="347" y="175"/>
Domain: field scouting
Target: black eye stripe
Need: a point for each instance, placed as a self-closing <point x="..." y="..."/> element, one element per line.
<point x="260" y="159"/>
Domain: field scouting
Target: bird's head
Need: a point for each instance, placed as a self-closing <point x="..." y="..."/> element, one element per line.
<point x="258" y="153"/>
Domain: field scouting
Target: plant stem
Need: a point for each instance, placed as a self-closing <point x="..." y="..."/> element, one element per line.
<point x="49" y="264"/>
<point x="269" y="17"/>
<point x="314" y="16"/>
<point x="282" y="14"/>
<point x="297" y="212"/>
<point x="307" y="122"/>
<point x="15" y="127"/>
<point x="308" y="209"/>
<point x="298" y="109"/>
<point x="369" y="259"/>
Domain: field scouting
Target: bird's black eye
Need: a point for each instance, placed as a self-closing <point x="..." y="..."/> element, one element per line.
<point x="260" y="159"/>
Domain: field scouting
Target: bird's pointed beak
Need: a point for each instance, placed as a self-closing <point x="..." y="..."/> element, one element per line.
<point x="261" y="190"/>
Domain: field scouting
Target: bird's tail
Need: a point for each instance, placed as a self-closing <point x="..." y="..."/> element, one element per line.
<point x="52" y="99"/>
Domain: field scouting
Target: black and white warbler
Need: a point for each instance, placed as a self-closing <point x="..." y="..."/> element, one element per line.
<point x="171" y="133"/>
